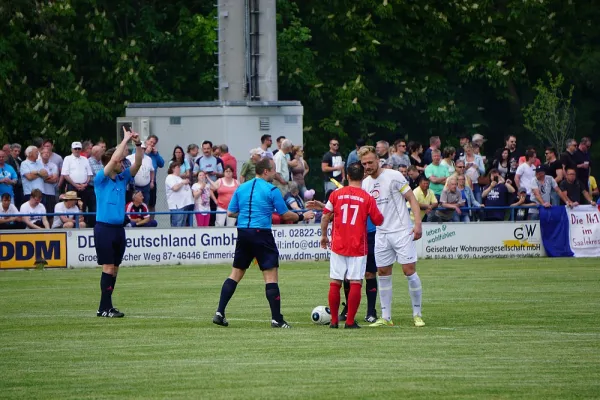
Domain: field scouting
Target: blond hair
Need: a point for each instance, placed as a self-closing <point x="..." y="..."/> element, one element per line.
<point x="363" y="151"/>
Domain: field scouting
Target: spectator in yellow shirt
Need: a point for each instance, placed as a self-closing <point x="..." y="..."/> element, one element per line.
<point x="425" y="197"/>
<point x="593" y="187"/>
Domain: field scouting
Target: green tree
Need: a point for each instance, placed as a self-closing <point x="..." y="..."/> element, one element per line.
<point x="551" y="116"/>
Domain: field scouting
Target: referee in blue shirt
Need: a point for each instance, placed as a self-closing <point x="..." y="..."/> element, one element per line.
<point x="110" y="185"/>
<point x="253" y="204"/>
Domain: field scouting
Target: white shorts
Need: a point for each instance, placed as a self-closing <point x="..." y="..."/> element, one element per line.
<point x="346" y="267"/>
<point x="395" y="246"/>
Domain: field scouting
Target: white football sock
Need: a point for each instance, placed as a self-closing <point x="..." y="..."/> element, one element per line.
<point x="385" y="296"/>
<point x="415" y="291"/>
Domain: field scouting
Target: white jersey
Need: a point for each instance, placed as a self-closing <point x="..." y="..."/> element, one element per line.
<point x="389" y="189"/>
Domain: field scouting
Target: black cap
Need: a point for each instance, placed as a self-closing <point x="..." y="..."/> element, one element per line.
<point x="541" y="168"/>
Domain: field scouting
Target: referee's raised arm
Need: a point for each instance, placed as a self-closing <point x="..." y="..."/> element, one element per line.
<point x="119" y="155"/>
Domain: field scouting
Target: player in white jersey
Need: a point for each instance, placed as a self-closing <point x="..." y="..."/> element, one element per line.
<point x="395" y="238"/>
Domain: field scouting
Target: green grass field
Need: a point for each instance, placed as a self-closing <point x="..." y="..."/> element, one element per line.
<point x="495" y="329"/>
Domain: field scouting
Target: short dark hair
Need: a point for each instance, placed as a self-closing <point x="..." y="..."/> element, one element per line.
<point x="397" y="142"/>
<point x="37" y="141"/>
<point x="551" y="150"/>
<point x="414" y="146"/>
<point x="6" y="196"/>
<point x="108" y="155"/>
<point x="356" y="172"/>
<point x="153" y="137"/>
<point x="48" y="141"/>
<point x="36" y="193"/>
<point x="228" y="167"/>
<point x="422" y="178"/>
<point x="360" y="142"/>
<point x="263" y="165"/>
<point x="207" y="142"/>
<point x="508" y="137"/>
<point x="172" y="166"/>
<point x="529" y="154"/>
<point x="264" y="138"/>
<point x="280" y="138"/>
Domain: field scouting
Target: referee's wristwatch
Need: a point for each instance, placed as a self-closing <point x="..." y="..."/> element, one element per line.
<point x="300" y="217"/>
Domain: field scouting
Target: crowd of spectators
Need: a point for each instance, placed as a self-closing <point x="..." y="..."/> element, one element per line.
<point x="451" y="184"/>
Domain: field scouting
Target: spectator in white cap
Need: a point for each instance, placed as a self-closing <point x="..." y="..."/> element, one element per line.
<point x="78" y="173"/>
<point x="479" y="139"/>
<point x="248" y="170"/>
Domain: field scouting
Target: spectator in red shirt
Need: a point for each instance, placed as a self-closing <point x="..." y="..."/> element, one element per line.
<point x="228" y="159"/>
<point x="141" y="218"/>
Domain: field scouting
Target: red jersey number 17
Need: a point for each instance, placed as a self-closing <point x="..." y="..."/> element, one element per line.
<point x="354" y="209"/>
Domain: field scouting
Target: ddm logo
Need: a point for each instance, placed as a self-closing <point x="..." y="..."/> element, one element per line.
<point x="22" y="250"/>
<point x="524" y="232"/>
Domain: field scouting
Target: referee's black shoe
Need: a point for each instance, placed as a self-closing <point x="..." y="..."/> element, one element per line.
<point x="344" y="313"/>
<point x="280" y="324"/>
<point x="112" y="313"/>
<point x="219" y="319"/>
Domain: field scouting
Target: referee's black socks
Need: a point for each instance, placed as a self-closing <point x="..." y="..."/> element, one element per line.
<point x="106" y="289"/>
<point x="272" y="292"/>
<point x="346" y="289"/>
<point x="226" y="292"/>
<point x="371" y="292"/>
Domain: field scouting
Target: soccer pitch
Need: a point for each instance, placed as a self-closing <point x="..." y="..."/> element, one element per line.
<point x="518" y="328"/>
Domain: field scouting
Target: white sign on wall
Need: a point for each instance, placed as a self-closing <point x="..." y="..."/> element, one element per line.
<point x="156" y="246"/>
<point x="193" y="246"/>
<point x="481" y="240"/>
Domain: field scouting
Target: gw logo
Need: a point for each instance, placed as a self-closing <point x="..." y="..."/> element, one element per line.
<point x="25" y="249"/>
<point x="524" y="232"/>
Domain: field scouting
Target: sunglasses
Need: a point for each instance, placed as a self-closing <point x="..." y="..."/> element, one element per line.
<point x="335" y="144"/>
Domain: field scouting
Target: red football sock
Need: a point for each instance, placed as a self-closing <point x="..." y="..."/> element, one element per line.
<point x="353" y="301"/>
<point x="334" y="301"/>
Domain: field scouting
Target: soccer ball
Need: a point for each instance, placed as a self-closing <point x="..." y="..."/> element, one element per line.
<point x="321" y="315"/>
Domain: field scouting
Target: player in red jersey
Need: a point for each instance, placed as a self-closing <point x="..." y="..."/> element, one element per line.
<point x="349" y="208"/>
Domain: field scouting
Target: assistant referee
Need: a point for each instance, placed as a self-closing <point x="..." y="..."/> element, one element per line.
<point x="110" y="185"/>
<point x="253" y="204"/>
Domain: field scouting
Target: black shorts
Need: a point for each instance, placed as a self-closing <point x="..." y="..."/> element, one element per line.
<point x="110" y="243"/>
<point x="256" y="243"/>
<point x="371" y="265"/>
<point x="152" y="202"/>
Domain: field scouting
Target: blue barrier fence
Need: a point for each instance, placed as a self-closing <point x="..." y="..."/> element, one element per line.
<point x="175" y="212"/>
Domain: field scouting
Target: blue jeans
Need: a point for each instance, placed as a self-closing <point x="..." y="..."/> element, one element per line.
<point x="180" y="220"/>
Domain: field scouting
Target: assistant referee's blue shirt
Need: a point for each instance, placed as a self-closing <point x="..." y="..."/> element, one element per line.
<point x="255" y="201"/>
<point x="110" y="197"/>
